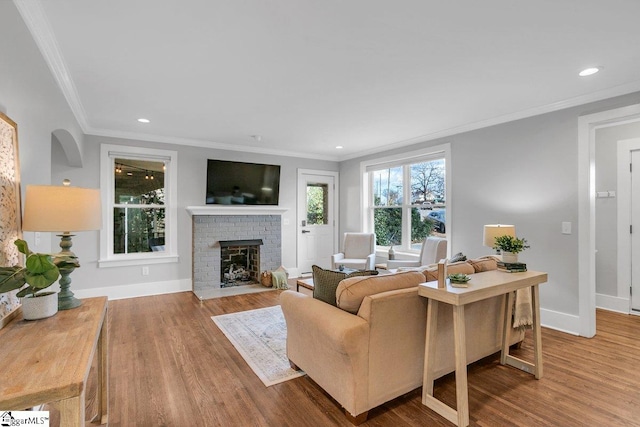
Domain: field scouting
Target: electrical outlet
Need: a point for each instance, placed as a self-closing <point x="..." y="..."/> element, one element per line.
<point x="145" y="271"/>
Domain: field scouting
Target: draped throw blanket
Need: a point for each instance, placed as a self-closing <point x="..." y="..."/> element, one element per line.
<point x="522" y="310"/>
<point x="279" y="279"/>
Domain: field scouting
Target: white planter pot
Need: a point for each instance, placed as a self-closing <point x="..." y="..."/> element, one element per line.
<point x="509" y="257"/>
<point x="39" y="307"/>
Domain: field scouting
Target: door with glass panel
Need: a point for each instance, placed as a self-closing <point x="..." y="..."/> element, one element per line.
<point x="316" y="219"/>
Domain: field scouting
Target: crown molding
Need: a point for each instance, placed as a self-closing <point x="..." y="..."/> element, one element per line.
<point x="206" y="144"/>
<point x="34" y="17"/>
<point x="531" y="112"/>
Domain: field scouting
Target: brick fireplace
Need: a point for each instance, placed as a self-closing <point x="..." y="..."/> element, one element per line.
<point x="218" y="235"/>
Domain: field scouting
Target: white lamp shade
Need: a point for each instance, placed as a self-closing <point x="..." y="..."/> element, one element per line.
<point x="61" y="209"/>
<point x="492" y="231"/>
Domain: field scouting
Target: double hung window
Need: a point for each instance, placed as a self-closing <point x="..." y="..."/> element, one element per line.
<point x="139" y="187"/>
<point x="407" y="200"/>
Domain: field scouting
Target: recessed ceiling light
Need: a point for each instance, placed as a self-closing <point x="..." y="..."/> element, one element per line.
<point x="589" y="71"/>
<point x="339" y="147"/>
<point x="144" y="120"/>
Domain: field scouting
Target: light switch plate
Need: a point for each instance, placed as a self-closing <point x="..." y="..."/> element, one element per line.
<point x="566" y="228"/>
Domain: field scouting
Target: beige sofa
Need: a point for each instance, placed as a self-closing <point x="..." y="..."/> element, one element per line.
<point x="374" y="352"/>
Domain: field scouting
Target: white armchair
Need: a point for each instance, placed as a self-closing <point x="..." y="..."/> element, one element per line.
<point x="358" y="251"/>
<point x="433" y="250"/>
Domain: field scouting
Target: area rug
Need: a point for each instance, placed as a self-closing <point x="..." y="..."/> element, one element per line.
<point x="260" y="336"/>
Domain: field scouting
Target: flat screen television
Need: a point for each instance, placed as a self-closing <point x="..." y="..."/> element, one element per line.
<point x="238" y="183"/>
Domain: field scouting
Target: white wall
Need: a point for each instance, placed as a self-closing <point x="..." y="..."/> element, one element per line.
<point x="30" y="96"/>
<point x="524" y="173"/>
<point x="606" y="214"/>
<point x="192" y="168"/>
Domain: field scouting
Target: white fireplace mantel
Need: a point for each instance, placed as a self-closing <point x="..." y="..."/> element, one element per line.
<point x="235" y="210"/>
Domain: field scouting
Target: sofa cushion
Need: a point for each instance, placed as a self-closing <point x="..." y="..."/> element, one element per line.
<point x="325" y="282"/>
<point x="462" y="267"/>
<point x="351" y="291"/>
<point x="486" y="263"/>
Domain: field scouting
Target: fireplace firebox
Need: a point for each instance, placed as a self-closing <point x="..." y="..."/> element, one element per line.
<point x="239" y="262"/>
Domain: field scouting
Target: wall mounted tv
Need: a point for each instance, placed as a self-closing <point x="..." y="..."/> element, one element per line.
<point x="238" y="183"/>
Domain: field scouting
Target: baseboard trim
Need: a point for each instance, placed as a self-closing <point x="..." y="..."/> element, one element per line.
<point x="562" y="322"/>
<point x="610" y="303"/>
<point x="136" y="289"/>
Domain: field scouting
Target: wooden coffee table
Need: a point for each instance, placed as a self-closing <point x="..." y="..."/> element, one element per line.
<point x="305" y="283"/>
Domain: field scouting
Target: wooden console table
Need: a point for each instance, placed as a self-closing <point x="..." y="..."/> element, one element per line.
<point x="481" y="286"/>
<point x="48" y="361"/>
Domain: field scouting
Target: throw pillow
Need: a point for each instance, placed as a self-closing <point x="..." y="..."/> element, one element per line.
<point x="458" y="257"/>
<point x="461" y="267"/>
<point x="352" y="291"/>
<point x="484" y="264"/>
<point x="325" y="282"/>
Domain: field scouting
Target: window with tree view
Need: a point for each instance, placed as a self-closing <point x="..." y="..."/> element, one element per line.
<point x="408" y="203"/>
<point x="138" y="206"/>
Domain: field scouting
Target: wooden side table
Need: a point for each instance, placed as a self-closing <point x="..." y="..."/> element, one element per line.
<point x="48" y="361"/>
<point x="305" y="283"/>
<point x="481" y="286"/>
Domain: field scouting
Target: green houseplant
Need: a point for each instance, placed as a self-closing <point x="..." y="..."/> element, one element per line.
<point x="510" y="246"/>
<point x="40" y="272"/>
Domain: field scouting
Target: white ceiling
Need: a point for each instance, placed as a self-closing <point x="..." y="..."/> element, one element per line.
<point x="310" y="75"/>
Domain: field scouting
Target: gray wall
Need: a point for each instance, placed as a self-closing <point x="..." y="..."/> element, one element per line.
<point x="192" y="168"/>
<point x="523" y="172"/>
<point x="30" y="96"/>
<point x="606" y="208"/>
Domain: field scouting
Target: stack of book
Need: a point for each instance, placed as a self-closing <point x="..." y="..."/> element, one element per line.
<point x="512" y="267"/>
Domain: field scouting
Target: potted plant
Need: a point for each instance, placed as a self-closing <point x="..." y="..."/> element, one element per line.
<point x="40" y="272"/>
<point x="510" y="247"/>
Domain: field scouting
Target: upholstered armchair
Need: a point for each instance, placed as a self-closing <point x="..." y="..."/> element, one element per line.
<point x="358" y="251"/>
<point x="433" y="250"/>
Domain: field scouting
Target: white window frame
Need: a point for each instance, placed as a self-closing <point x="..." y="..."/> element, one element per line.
<point x="366" y="186"/>
<point x="108" y="153"/>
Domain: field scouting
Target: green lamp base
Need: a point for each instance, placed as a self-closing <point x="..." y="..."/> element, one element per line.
<point x="66" y="303"/>
<point x="66" y="300"/>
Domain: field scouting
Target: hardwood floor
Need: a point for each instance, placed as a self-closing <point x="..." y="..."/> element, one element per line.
<point x="170" y="366"/>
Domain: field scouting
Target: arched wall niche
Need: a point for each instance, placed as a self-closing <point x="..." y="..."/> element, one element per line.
<point x="69" y="145"/>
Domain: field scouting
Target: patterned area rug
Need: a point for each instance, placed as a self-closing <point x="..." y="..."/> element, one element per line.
<point x="260" y="336"/>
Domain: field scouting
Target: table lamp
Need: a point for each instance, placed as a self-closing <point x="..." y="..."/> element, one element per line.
<point x="62" y="209"/>
<point x="492" y="231"/>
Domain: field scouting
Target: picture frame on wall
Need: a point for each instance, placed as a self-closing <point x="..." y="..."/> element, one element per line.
<point x="10" y="211"/>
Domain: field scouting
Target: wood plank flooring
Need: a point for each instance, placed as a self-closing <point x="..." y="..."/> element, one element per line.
<point x="171" y="366"/>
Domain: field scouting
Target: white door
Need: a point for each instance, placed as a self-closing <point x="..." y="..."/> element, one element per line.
<point x="635" y="230"/>
<point x="316" y="219"/>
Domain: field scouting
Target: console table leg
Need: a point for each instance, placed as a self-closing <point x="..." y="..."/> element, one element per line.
<point x="462" y="392"/>
<point x="537" y="333"/>
<point x="506" y="326"/>
<point x="72" y="411"/>
<point x="430" y="349"/>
